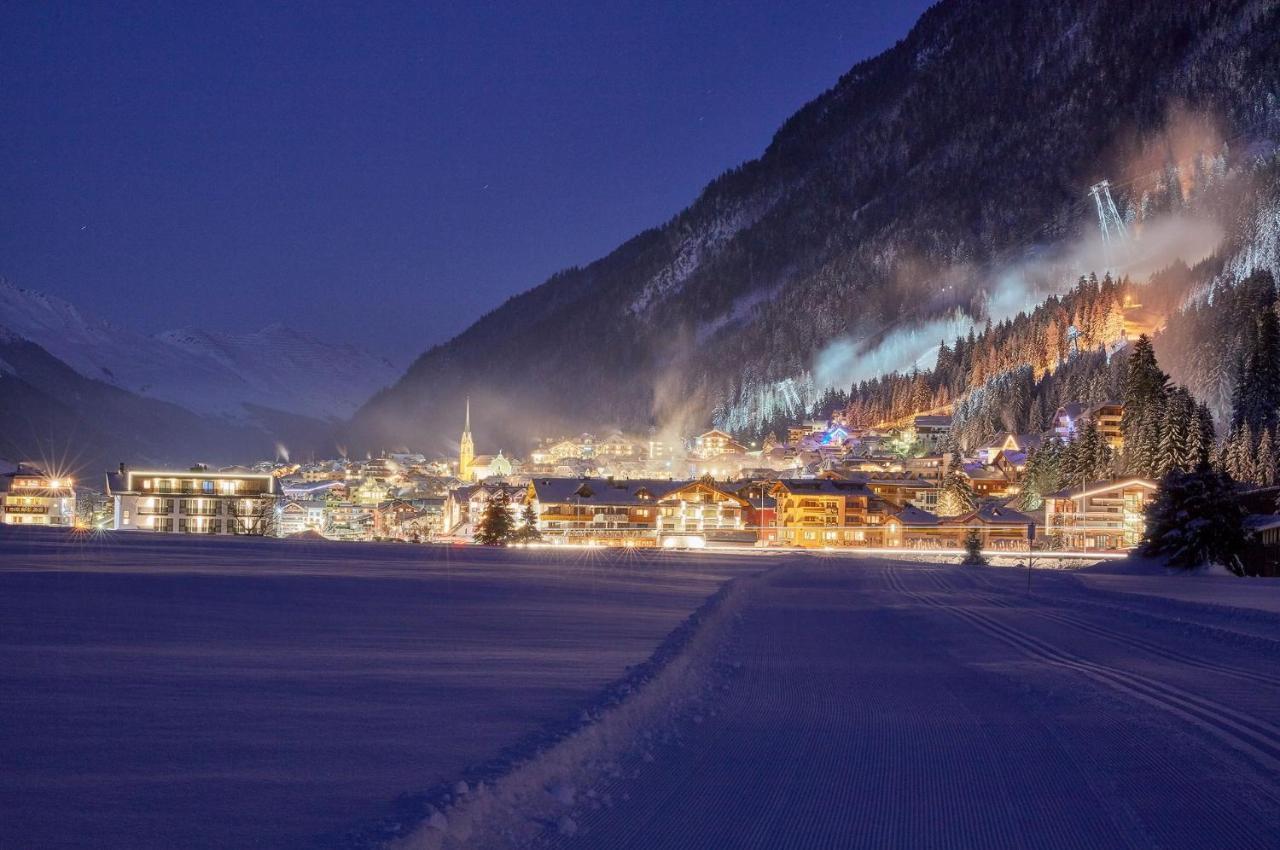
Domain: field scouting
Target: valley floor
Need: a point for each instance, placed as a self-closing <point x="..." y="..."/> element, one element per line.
<point x="883" y="704"/>
<point x="241" y="694"/>
<point x="165" y="692"/>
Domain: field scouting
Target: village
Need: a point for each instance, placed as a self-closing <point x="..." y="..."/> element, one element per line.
<point x="826" y="484"/>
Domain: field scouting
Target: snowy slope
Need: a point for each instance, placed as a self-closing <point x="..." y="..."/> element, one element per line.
<point x="208" y="373"/>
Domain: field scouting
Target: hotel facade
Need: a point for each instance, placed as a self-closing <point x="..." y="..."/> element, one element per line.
<point x="193" y="502"/>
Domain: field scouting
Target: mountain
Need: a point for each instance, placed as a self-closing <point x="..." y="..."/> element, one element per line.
<point x="74" y="425"/>
<point x="884" y="211"/>
<point x="224" y="375"/>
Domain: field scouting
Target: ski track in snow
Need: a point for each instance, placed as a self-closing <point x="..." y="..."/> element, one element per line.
<point x="880" y="704"/>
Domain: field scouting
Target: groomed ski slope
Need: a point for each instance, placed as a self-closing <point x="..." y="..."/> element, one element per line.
<point x="881" y="704"/>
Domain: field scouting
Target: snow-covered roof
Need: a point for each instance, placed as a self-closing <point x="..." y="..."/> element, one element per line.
<point x="990" y="514"/>
<point x="910" y="515"/>
<point x="1103" y="486"/>
<point x="602" y="491"/>
<point x="825" y="486"/>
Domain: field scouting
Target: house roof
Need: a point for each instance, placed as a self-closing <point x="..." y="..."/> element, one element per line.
<point x="1101" y="486"/>
<point x="825" y="486"/>
<point x="1072" y="411"/>
<point x="727" y="492"/>
<point x="989" y="514"/>
<point x="602" y="491"/>
<point x="910" y="515"/>
<point x="932" y="421"/>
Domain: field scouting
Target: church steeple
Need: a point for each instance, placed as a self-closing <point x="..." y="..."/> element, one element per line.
<point x="466" y="448"/>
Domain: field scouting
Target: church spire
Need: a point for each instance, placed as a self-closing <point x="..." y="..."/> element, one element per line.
<point x="466" y="447"/>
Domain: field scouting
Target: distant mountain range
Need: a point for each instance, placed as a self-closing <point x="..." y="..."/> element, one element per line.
<point x="74" y="383"/>
<point x="886" y="207"/>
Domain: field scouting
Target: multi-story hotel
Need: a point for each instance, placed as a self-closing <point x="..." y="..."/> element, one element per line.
<point x="1101" y="515"/>
<point x="193" y="501"/>
<point x="29" y="497"/>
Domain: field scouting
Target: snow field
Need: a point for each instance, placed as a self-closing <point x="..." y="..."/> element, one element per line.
<point x="547" y="790"/>
<point x="162" y="692"/>
<point x="890" y="705"/>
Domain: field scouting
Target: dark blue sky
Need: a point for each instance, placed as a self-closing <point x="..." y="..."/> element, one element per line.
<point x="381" y="175"/>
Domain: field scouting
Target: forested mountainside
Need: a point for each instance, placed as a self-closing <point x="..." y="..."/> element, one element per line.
<point x="887" y="201"/>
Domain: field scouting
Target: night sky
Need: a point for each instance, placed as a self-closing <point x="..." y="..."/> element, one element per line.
<point x="379" y="176"/>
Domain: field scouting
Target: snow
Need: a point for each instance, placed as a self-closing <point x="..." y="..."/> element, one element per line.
<point x="208" y="373"/>
<point x="162" y="692"/>
<point x="169" y="692"/>
<point x="883" y="704"/>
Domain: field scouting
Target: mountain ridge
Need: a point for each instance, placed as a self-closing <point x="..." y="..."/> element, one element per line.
<point x="209" y="373"/>
<point x="882" y="203"/>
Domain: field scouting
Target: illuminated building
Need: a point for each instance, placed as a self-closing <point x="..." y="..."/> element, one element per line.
<point x="702" y="508"/>
<point x="466" y="448"/>
<point x="298" y="516"/>
<point x="29" y="497"/>
<point x="824" y="512"/>
<point x="491" y="466"/>
<point x="931" y="430"/>
<point x="193" y="501"/>
<point x="1101" y="515"/>
<point x="1070" y="419"/>
<point x="715" y="443"/>
<point x="598" y="510"/>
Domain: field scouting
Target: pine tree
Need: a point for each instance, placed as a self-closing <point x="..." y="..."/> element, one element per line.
<point x="1240" y="457"/>
<point x="1207" y="437"/>
<point x="1196" y="519"/>
<point x="955" y="497"/>
<point x="495" y="527"/>
<point x="1265" y="468"/>
<point x="1145" y="388"/>
<point x="1256" y="399"/>
<point x="1173" y="432"/>
<point x="528" y="531"/>
<point x="973" y="549"/>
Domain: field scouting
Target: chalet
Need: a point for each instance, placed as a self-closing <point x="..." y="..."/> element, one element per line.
<point x="991" y="482"/>
<point x="193" y="501"/>
<point x="618" y="447"/>
<point x="390" y="515"/>
<point x="1070" y="419"/>
<point x="463" y="506"/>
<point x="930" y="467"/>
<point x="1009" y="442"/>
<point x="826" y="512"/>
<point x="999" y="527"/>
<point x="909" y="527"/>
<point x="295" y="516"/>
<point x="598" y="511"/>
<point x="932" y="431"/>
<point x="30" y="497"/>
<point x="715" y="443"/>
<point x="703" y="508"/>
<point x="903" y="488"/>
<point x="762" y="514"/>
<point x="1100" y="515"/>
